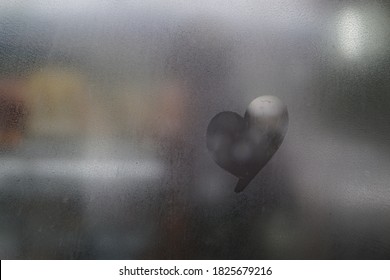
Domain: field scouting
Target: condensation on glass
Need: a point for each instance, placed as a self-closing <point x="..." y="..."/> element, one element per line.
<point x="104" y="107"/>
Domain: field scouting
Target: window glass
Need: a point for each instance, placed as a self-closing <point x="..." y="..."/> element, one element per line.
<point x="134" y="129"/>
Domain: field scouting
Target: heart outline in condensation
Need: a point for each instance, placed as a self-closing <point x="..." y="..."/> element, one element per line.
<point x="244" y="145"/>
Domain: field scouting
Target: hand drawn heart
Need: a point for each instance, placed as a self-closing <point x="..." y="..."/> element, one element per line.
<point x="243" y="146"/>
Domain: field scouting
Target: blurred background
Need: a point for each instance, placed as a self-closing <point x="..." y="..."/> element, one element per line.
<point x="104" y="107"/>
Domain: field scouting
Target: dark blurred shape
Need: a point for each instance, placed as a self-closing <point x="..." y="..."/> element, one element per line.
<point x="243" y="146"/>
<point x="42" y="218"/>
<point x="13" y="113"/>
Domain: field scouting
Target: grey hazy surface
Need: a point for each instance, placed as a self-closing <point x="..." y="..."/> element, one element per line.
<point x="104" y="107"/>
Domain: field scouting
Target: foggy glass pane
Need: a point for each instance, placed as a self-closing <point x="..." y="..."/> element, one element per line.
<point x="132" y="129"/>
